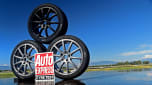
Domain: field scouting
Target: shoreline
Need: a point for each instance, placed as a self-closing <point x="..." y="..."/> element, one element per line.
<point x="118" y="68"/>
<point x="9" y="74"/>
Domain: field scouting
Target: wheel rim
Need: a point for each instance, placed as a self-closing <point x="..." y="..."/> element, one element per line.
<point x="68" y="56"/>
<point x="23" y="59"/>
<point x="45" y="22"/>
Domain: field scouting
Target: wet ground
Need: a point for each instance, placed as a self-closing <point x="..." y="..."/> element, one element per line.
<point x="137" y="77"/>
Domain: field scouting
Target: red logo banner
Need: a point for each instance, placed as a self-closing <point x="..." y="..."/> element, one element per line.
<point x="44" y="63"/>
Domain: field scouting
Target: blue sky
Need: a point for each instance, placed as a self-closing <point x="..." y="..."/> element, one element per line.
<point x="113" y="30"/>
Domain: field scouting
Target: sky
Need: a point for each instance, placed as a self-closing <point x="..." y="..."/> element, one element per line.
<point x="113" y="30"/>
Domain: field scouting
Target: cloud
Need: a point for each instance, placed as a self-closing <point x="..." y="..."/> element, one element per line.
<point x="136" y="53"/>
<point x="147" y="56"/>
<point x="145" y="46"/>
<point x="3" y="64"/>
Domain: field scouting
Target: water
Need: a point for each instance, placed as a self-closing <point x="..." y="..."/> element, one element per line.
<point x="5" y="68"/>
<point x="133" y="77"/>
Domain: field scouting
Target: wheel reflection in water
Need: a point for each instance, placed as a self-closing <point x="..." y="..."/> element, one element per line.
<point x="32" y="82"/>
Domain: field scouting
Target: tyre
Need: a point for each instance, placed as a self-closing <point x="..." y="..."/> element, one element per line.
<point x="22" y="59"/>
<point x="71" y="56"/>
<point x="47" y="22"/>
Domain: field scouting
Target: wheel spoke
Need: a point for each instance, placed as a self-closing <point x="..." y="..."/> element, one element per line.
<point x="75" y="51"/>
<point x="70" y="45"/>
<point x="18" y="62"/>
<point x="59" y="60"/>
<point x="61" y="66"/>
<point x="38" y="22"/>
<point x="75" y="66"/>
<point x="25" y="52"/>
<point x="67" y="67"/>
<point x="79" y="58"/>
<point x="30" y="61"/>
<point x="20" y="52"/>
<point x="56" y="55"/>
<point x="48" y="12"/>
<point x="52" y="17"/>
<point x="20" y="67"/>
<point x="17" y="57"/>
<point x="30" y="51"/>
<point x="30" y="57"/>
<point x="30" y="67"/>
<point x="42" y="12"/>
<point x="63" y="45"/>
<point x="51" y="29"/>
<point x="25" y="68"/>
<point x="58" y="49"/>
<point x="37" y="16"/>
<point x="46" y="32"/>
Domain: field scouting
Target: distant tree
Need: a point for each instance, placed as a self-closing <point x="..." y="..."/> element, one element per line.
<point x="138" y="62"/>
<point x="134" y="63"/>
<point x="120" y="63"/>
<point x="131" y="63"/>
<point x="126" y="63"/>
<point x="146" y="62"/>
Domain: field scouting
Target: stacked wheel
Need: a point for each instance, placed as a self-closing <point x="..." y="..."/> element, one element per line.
<point x="22" y="58"/>
<point x="48" y="25"/>
<point x="71" y="56"/>
<point x="47" y="22"/>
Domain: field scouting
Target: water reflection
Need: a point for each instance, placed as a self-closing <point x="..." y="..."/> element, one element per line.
<point x="90" y="75"/>
<point x="25" y="82"/>
<point x="132" y="77"/>
<point x="70" y="82"/>
<point x="32" y="82"/>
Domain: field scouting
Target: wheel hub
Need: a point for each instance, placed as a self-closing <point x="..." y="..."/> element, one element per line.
<point x="25" y="59"/>
<point x="45" y="24"/>
<point x="66" y="56"/>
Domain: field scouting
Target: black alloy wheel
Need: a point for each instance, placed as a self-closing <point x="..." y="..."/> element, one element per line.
<point x="47" y="22"/>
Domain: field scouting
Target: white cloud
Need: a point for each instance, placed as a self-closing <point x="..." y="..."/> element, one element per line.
<point x="3" y="64"/>
<point x="136" y="53"/>
<point x="145" y="46"/>
<point x="147" y="56"/>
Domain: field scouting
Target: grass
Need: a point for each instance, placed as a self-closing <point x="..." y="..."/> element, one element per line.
<point x="7" y="74"/>
<point x="122" y="67"/>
